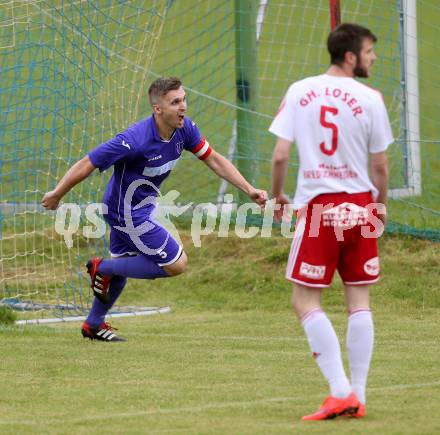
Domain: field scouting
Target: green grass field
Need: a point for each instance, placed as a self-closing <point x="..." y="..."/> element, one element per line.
<point x="230" y="358"/>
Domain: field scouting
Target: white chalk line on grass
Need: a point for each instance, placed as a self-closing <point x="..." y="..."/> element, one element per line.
<point x="198" y="409"/>
<point x="224" y="337"/>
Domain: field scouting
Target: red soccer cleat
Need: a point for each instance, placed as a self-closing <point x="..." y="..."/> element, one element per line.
<point x="100" y="282"/>
<point x="334" y="406"/>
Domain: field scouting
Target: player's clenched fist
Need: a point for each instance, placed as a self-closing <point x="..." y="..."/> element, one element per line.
<point x="50" y="200"/>
<point x="259" y="197"/>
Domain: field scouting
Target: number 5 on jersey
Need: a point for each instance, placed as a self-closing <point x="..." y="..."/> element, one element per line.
<point x="333" y="127"/>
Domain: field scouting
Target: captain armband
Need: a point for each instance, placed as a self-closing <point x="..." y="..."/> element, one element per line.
<point x="203" y="150"/>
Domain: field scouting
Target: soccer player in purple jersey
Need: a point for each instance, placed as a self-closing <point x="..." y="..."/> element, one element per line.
<point x="142" y="157"/>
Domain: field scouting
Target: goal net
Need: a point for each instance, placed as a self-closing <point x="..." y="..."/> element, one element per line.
<point x="76" y="73"/>
<point x="73" y="74"/>
<point x="290" y="40"/>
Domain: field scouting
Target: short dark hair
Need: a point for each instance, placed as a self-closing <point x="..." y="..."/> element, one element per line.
<point x="347" y="37"/>
<point x="161" y="87"/>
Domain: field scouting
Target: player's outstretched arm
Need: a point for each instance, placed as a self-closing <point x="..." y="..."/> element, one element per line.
<point x="225" y="169"/>
<point x="80" y="170"/>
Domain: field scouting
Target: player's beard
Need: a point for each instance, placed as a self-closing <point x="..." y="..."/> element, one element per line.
<point x="360" y="71"/>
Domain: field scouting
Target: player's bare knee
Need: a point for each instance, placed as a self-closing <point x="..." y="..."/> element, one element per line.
<point x="177" y="267"/>
<point x="297" y="299"/>
<point x="297" y="306"/>
<point x="305" y="299"/>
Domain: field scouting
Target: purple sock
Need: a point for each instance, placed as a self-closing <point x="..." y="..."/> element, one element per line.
<point x="99" y="309"/>
<point x="132" y="267"/>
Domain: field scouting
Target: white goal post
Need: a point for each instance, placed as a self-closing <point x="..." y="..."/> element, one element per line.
<point x="410" y="89"/>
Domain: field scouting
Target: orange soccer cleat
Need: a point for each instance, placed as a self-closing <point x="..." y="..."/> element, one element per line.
<point x="334" y="406"/>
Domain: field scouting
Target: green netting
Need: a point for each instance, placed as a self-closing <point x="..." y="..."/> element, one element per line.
<point x="74" y="73"/>
<point x="292" y="45"/>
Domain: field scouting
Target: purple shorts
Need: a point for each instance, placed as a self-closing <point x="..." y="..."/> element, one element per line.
<point x="153" y="241"/>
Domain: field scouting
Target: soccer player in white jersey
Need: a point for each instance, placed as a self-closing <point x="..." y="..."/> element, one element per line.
<point x="341" y="129"/>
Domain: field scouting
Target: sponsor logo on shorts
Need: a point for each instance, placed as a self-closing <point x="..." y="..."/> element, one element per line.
<point x="311" y="271"/>
<point x="371" y="267"/>
<point x="346" y="214"/>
